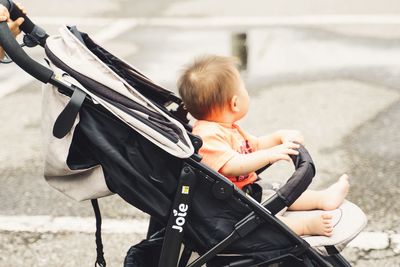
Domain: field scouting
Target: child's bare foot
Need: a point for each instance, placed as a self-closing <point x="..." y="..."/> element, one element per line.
<point x="318" y="225"/>
<point x="333" y="196"/>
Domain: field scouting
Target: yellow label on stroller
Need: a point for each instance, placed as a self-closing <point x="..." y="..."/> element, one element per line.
<point x="185" y="189"/>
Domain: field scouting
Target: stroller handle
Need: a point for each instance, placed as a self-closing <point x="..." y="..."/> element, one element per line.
<point x="14" y="50"/>
<point x="296" y="184"/>
<point x="15" y="12"/>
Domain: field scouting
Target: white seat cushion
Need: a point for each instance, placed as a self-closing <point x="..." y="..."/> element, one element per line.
<point x="348" y="221"/>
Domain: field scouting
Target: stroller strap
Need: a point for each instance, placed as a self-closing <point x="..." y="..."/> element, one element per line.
<point x="67" y="117"/>
<point x="100" y="261"/>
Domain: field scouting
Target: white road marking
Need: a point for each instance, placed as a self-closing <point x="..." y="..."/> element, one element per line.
<point x="232" y="21"/>
<point x="371" y="241"/>
<point x="41" y="224"/>
<point x="114" y="27"/>
<point x="395" y="241"/>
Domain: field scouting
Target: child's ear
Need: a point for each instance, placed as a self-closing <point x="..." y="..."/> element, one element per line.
<point x="234" y="103"/>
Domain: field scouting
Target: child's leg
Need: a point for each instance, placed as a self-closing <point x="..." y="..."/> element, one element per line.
<point x="317" y="225"/>
<point x="327" y="199"/>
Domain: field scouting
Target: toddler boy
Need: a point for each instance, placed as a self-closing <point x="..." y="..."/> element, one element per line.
<point x="215" y="95"/>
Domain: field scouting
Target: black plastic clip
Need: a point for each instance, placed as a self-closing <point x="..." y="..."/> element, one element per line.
<point x="38" y="36"/>
<point x="222" y="191"/>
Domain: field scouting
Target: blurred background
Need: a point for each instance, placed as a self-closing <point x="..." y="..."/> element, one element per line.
<point x="328" y="68"/>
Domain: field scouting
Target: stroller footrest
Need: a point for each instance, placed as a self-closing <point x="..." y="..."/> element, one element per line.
<point x="348" y="221"/>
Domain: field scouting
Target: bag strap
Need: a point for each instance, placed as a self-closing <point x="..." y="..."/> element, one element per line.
<point x="100" y="261"/>
<point x="67" y="117"/>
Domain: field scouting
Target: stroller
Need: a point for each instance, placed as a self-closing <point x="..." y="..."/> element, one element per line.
<point x="108" y="129"/>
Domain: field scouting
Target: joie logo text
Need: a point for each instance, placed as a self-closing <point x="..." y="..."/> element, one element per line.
<point x="180" y="217"/>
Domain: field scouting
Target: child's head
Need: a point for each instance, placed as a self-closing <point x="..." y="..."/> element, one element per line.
<point x="212" y="86"/>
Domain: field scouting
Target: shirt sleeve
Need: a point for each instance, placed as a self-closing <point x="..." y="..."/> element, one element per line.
<point x="216" y="151"/>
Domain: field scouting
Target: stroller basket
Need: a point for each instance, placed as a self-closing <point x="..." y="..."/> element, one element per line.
<point x="109" y="129"/>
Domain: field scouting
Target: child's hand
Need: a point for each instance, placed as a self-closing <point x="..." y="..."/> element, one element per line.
<point x="291" y="136"/>
<point x="282" y="152"/>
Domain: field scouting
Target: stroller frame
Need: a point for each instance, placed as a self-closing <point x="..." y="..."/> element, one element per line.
<point x="174" y="231"/>
<point x="261" y="213"/>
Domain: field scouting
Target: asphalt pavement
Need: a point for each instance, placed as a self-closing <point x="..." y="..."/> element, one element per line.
<point x="338" y="84"/>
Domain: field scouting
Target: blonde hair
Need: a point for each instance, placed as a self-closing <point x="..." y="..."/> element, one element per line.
<point x="208" y="84"/>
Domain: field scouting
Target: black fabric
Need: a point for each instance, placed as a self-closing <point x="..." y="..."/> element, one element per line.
<point x="124" y="103"/>
<point x="144" y="254"/>
<point x="136" y="79"/>
<point x="100" y="261"/>
<point x="160" y="96"/>
<point x="254" y="190"/>
<point x="157" y="94"/>
<point x="211" y="220"/>
<point x="185" y="257"/>
<point x="157" y="125"/>
<point x="140" y="172"/>
<point x="282" y="258"/>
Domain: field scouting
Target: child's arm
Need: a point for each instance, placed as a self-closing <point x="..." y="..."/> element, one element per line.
<point x="279" y="137"/>
<point x="242" y="164"/>
<point x="13" y="25"/>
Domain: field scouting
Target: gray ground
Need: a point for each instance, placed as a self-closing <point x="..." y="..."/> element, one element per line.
<point x="338" y="85"/>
